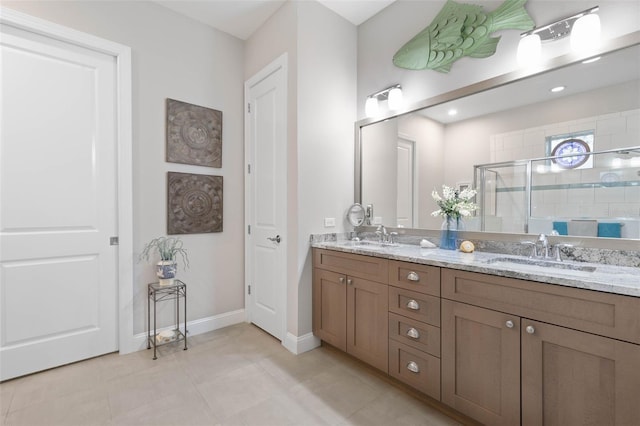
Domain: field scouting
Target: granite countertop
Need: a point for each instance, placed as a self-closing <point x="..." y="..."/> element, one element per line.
<point x="591" y="276"/>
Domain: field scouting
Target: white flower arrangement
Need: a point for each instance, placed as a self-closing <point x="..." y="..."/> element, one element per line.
<point x="454" y="203"/>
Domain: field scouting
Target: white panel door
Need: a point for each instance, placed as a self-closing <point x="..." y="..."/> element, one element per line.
<point x="58" y="271"/>
<point x="406" y="198"/>
<point x="267" y="199"/>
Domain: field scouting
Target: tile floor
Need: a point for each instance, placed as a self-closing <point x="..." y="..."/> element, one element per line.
<point x="238" y="375"/>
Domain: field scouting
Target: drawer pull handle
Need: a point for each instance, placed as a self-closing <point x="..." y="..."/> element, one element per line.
<point x="341" y="280"/>
<point x="413" y="333"/>
<point x="509" y="324"/>
<point x="413" y="367"/>
<point x="530" y="329"/>
<point x="412" y="276"/>
<point x="412" y="304"/>
<point x="349" y="281"/>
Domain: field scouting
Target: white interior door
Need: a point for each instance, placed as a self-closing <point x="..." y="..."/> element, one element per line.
<point x="58" y="271"/>
<point x="405" y="190"/>
<point x="266" y="198"/>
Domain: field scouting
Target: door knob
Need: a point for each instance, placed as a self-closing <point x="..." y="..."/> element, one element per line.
<point x="530" y="329"/>
<point x="509" y="324"/>
<point x="275" y="239"/>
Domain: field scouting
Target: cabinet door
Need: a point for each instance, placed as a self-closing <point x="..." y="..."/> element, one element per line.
<point x="574" y="378"/>
<point x="330" y="307"/>
<point x="367" y="322"/>
<point x="481" y="363"/>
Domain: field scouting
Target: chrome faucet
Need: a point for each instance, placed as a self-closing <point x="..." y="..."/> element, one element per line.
<point x="545" y="246"/>
<point x="383" y="235"/>
<point x="547" y="249"/>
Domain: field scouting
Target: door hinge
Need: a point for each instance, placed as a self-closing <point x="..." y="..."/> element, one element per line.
<point x="249" y="229"/>
<point x="114" y="241"/>
<point x="249" y="168"/>
<point x="249" y="108"/>
<point x="249" y="289"/>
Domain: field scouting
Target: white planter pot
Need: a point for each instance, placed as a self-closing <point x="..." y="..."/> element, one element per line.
<point x="166" y="271"/>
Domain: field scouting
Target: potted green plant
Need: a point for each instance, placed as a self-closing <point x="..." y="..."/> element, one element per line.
<point x="168" y="248"/>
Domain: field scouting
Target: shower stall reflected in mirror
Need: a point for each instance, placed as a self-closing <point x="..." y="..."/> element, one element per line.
<point x="549" y="195"/>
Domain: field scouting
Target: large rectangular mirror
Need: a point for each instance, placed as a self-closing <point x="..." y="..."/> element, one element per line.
<point x="509" y="125"/>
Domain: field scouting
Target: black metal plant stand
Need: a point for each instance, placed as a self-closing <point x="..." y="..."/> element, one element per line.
<point x="160" y="293"/>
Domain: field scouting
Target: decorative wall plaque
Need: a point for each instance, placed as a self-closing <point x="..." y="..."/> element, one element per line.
<point x="194" y="134"/>
<point x="194" y="203"/>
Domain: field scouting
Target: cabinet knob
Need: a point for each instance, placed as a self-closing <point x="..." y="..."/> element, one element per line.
<point x="341" y="279"/>
<point x="412" y="276"/>
<point x="509" y="324"/>
<point x="530" y="329"/>
<point x="412" y="304"/>
<point x="413" y="367"/>
<point x="349" y="281"/>
<point x="413" y="333"/>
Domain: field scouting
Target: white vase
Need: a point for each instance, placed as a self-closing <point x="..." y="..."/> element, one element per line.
<point x="166" y="271"/>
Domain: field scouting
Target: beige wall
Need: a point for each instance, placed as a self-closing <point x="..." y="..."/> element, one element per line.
<point x="322" y="86"/>
<point x="173" y="57"/>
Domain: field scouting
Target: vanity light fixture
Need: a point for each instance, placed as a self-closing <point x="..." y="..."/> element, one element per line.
<point x="585" y="33"/>
<point x="371" y="107"/>
<point x="584" y="28"/>
<point x="529" y="50"/>
<point x="393" y="96"/>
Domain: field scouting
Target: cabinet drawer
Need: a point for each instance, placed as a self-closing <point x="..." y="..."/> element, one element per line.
<point x="415" y="368"/>
<point x="605" y="314"/>
<point x="368" y="267"/>
<point x="414" y="277"/>
<point x="417" y="306"/>
<point x="416" y="334"/>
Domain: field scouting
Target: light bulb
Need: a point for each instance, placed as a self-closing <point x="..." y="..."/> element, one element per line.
<point x="529" y="50"/>
<point x="585" y="33"/>
<point x="371" y="107"/>
<point x="395" y="98"/>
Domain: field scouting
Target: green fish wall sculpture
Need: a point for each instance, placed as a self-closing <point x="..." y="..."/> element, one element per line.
<point x="461" y="30"/>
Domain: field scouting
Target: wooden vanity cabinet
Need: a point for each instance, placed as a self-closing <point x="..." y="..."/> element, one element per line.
<point x="414" y="326"/>
<point x="350" y="304"/>
<point x="503" y="363"/>
<point x="481" y="363"/>
<point x="574" y="378"/>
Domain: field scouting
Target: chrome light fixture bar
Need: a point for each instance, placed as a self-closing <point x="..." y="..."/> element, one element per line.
<point x="584" y="28"/>
<point x="391" y="94"/>
<point x="560" y="28"/>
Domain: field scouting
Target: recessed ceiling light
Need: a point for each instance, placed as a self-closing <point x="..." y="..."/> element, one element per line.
<point x="557" y="89"/>
<point x="452" y="112"/>
<point x="588" y="61"/>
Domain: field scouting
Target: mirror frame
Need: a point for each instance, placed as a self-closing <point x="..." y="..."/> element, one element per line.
<point x="622" y="42"/>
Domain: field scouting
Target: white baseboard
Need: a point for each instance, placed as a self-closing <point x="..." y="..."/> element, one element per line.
<point x="298" y="345"/>
<point x="199" y="326"/>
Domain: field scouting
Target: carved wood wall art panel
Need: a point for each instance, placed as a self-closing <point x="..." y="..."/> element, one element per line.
<point x="194" y="134"/>
<point x="194" y="203"/>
